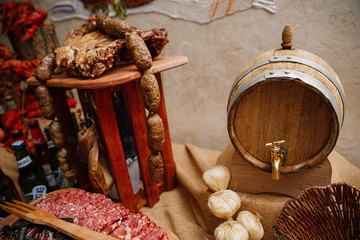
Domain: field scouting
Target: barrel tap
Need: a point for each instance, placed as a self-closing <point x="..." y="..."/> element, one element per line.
<point x="277" y="157"/>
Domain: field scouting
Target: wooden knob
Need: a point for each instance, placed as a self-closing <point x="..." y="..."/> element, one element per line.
<point x="287" y="36"/>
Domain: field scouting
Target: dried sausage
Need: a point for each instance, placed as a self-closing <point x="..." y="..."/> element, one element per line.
<point x="46" y="68"/>
<point x="156" y="134"/>
<point x="156" y="167"/>
<point x="89" y="149"/>
<point x="57" y="134"/>
<point x="111" y="26"/>
<point x="63" y="156"/>
<point x="46" y="102"/>
<point x="150" y="92"/>
<point x="139" y="51"/>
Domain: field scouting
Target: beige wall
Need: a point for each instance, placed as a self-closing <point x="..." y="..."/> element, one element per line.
<point x="196" y="94"/>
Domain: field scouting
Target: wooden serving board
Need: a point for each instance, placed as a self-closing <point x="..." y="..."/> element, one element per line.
<point x="113" y="77"/>
<point x="12" y="218"/>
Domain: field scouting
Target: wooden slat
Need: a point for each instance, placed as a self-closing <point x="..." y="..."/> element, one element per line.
<point x="113" y="77"/>
<point x="170" y="176"/>
<point x="138" y="121"/>
<point x="108" y="126"/>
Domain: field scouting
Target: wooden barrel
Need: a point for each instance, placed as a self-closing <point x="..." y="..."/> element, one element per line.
<point x="291" y="95"/>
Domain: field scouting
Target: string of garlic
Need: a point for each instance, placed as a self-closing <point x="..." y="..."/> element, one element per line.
<point x="217" y="178"/>
<point x="224" y="203"/>
<point x="252" y="224"/>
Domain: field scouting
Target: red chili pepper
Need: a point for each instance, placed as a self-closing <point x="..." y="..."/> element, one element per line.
<point x="71" y="102"/>
<point x="34" y="113"/>
<point x="32" y="106"/>
<point x="29" y="99"/>
<point x="9" y="119"/>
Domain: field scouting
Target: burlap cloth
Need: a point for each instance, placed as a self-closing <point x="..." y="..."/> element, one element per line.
<point x="184" y="210"/>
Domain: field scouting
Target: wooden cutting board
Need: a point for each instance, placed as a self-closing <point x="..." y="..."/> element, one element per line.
<point x="12" y="218"/>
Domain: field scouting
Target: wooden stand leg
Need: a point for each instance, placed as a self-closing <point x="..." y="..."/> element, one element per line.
<point x="167" y="150"/>
<point x="107" y="121"/>
<point x="138" y="120"/>
<point x="64" y="117"/>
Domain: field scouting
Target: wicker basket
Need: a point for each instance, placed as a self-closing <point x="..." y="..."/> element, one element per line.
<point x="331" y="212"/>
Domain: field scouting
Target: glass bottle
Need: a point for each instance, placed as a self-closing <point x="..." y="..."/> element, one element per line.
<point x="31" y="179"/>
<point x="128" y="141"/>
<point x="62" y="181"/>
<point x="42" y="153"/>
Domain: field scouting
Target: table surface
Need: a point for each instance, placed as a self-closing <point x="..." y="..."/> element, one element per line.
<point x="113" y="77"/>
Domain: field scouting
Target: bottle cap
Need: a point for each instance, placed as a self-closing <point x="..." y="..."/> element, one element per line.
<point x="17" y="143"/>
<point x="33" y="124"/>
<point x="46" y="128"/>
<point x="16" y="133"/>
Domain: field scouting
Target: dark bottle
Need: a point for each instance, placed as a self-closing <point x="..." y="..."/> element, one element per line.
<point x="9" y="184"/>
<point x="32" y="180"/>
<point x="62" y="181"/>
<point x="42" y="153"/>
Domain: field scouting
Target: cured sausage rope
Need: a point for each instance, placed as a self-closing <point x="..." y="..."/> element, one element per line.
<point x="149" y="88"/>
<point x="48" y="110"/>
<point x="150" y="92"/>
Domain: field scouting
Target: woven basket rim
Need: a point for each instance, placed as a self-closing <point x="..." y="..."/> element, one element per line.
<point x="300" y="197"/>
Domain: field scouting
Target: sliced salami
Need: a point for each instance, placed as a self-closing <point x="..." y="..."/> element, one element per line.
<point x="99" y="213"/>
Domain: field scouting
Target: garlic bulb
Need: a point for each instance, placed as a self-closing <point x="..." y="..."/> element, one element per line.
<point x="252" y="224"/>
<point x="231" y="230"/>
<point x="217" y="178"/>
<point x="224" y="203"/>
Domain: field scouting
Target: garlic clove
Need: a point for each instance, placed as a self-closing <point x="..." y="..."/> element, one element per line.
<point x="252" y="224"/>
<point x="224" y="203"/>
<point x="231" y="230"/>
<point x="217" y="178"/>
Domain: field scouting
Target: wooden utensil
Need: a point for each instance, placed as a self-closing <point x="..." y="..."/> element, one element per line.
<point x="39" y="216"/>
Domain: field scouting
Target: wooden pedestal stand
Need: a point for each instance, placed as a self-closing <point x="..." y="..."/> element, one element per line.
<point x="125" y="78"/>
<point x="246" y="178"/>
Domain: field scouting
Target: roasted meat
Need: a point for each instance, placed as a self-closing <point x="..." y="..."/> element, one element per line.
<point x="93" y="48"/>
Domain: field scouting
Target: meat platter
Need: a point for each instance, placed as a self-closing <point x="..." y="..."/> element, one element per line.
<point x="94" y="220"/>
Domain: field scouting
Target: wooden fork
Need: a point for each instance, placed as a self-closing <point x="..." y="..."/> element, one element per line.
<point x="39" y="216"/>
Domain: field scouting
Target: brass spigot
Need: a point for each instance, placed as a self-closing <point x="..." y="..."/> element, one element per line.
<point x="277" y="157"/>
